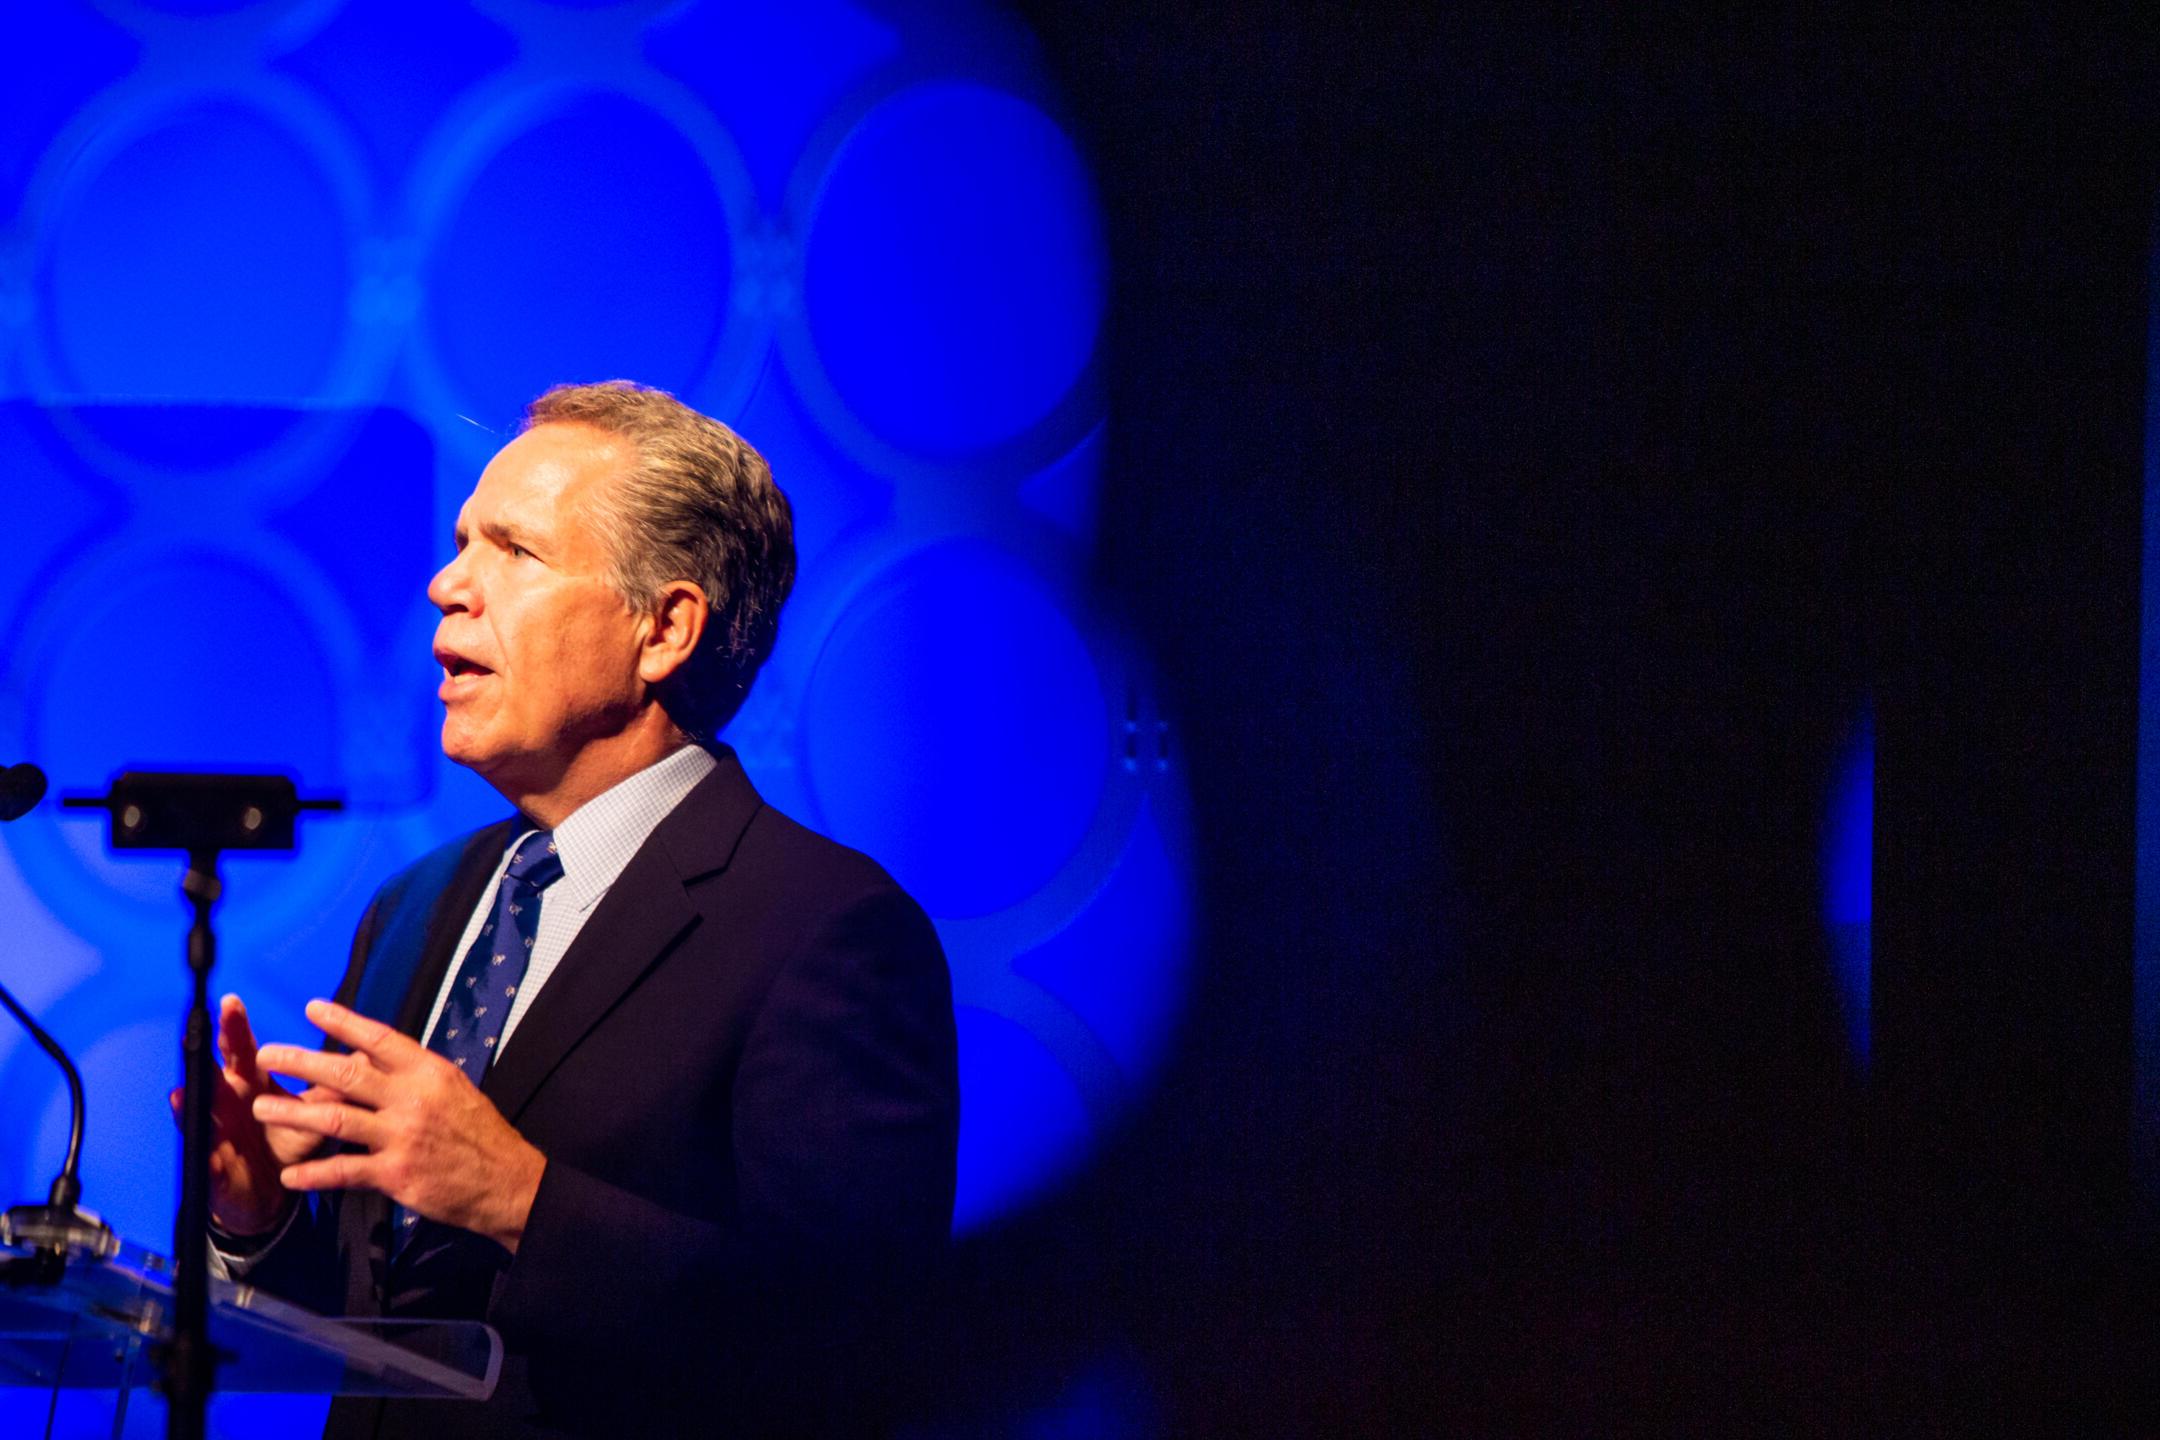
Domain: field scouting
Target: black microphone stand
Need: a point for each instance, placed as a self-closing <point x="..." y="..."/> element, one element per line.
<point x="190" y="1364"/>
<point x="203" y="815"/>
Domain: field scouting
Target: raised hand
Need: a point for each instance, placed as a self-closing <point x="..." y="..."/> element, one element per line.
<point x="246" y="1156"/>
<point x="433" y="1142"/>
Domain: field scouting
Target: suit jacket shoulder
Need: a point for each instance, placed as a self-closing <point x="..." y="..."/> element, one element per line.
<point x="801" y="879"/>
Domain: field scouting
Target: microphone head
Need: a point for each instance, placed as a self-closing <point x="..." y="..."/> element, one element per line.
<point x="21" y="787"/>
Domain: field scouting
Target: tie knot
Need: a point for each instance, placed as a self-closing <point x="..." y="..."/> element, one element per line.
<point x="535" y="862"/>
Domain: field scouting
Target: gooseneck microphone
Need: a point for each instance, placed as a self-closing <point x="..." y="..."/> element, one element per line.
<point x="55" y="1227"/>
<point x="67" y="1189"/>
<point x="21" y="787"/>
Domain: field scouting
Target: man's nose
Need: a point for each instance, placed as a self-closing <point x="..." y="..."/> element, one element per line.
<point x="451" y="589"/>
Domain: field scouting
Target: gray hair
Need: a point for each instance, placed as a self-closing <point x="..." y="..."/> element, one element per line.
<point x="699" y="504"/>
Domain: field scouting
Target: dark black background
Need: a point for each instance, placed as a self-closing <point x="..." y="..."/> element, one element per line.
<point x="1536" y="438"/>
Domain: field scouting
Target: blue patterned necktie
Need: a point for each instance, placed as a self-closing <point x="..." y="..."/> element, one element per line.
<point x="471" y="1026"/>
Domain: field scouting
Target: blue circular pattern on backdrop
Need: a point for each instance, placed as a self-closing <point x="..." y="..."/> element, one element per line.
<point x="206" y="637"/>
<point x="273" y="285"/>
<point x="211" y="639"/>
<point x="551" y="264"/>
<point x="953" y="275"/>
<point x="207" y="257"/>
<point x="1029" y="1124"/>
<point x="1120" y="966"/>
<point x="986" y="760"/>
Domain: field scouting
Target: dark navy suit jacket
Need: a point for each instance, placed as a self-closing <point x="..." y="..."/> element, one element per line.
<point x="744" y="1078"/>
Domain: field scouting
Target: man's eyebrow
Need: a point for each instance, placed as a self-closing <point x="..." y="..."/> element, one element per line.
<point x="504" y="534"/>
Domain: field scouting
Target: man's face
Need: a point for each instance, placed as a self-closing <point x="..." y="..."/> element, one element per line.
<point x="539" y="653"/>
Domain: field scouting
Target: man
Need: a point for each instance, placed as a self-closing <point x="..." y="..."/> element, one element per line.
<point x="652" y="1079"/>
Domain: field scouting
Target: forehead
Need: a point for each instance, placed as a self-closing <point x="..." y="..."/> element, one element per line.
<point x="546" y="476"/>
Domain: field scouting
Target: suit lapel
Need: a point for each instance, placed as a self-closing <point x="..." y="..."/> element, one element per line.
<point x="640" y="918"/>
<point x="406" y="969"/>
<point x="447" y="926"/>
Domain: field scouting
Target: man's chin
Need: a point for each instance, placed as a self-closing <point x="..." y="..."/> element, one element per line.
<point x="511" y="775"/>
<point x="466" y="749"/>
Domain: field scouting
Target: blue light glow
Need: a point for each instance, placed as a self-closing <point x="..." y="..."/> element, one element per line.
<point x="1849" y="879"/>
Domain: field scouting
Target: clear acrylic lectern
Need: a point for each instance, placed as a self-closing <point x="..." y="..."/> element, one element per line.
<point x="93" y="1324"/>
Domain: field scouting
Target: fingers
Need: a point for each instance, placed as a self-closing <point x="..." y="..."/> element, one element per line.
<point x="379" y="1042"/>
<point x="333" y="1122"/>
<point x="351" y="1077"/>
<point x="335" y="1172"/>
<point x="236" y="1038"/>
<point x="228" y="1107"/>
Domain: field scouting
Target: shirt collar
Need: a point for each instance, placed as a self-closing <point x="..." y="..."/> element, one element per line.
<point x="600" y="836"/>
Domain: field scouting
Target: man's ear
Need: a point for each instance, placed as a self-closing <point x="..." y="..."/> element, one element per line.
<point x="675" y="630"/>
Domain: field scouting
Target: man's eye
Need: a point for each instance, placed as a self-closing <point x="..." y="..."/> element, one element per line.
<point x="519" y="552"/>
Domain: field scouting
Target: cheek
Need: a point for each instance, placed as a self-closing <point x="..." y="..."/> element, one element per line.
<point x="593" y="654"/>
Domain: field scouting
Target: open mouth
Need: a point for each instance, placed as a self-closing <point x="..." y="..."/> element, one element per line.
<point x="458" y="672"/>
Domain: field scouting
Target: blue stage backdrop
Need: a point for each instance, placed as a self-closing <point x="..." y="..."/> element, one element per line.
<point x="275" y="280"/>
<point x="1848" y="851"/>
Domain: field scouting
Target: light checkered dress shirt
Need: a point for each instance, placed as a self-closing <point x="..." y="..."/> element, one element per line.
<point x="594" y="844"/>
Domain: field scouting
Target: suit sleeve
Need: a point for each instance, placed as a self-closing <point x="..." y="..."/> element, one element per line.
<point x="845" y="1118"/>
